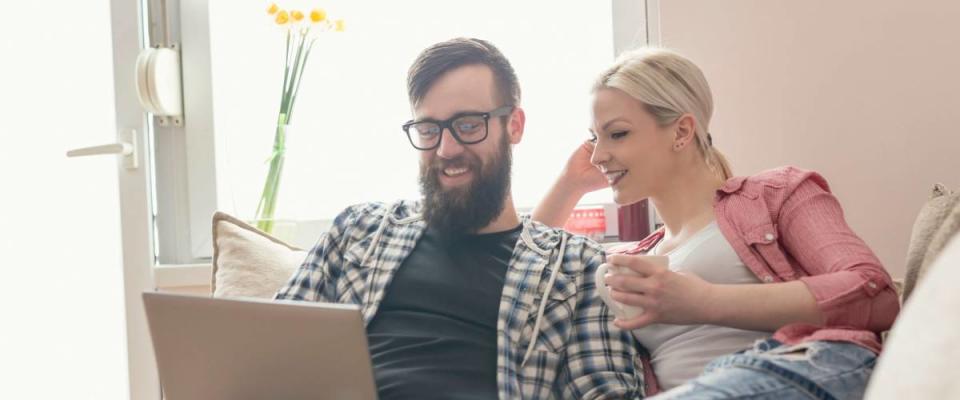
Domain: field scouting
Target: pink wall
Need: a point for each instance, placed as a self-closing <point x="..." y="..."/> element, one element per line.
<point x="866" y="92"/>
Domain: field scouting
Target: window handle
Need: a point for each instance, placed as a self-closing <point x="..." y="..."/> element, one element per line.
<point x="115" y="148"/>
<point x="126" y="147"/>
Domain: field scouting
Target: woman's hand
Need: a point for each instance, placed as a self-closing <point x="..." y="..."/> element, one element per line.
<point x="578" y="178"/>
<point x="579" y="175"/>
<point x="666" y="297"/>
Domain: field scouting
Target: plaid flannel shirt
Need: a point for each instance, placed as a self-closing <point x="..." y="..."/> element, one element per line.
<point x="577" y="353"/>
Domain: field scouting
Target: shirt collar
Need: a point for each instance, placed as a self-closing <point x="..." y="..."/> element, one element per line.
<point x="737" y="184"/>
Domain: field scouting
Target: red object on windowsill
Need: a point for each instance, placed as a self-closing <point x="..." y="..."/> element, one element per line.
<point x="590" y="222"/>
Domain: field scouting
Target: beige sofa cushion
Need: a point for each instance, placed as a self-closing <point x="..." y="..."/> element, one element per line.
<point x="920" y="253"/>
<point x="248" y="262"/>
<point x="919" y="359"/>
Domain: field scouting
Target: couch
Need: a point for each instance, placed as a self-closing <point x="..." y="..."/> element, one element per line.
<point x="919" y="351"/>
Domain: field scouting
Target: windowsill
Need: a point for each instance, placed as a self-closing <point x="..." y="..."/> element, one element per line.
<point x="173" y="276"/>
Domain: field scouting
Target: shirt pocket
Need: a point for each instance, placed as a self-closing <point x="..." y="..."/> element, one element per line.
<point x="354" y="277"/>
<point x="558" y="315"/>
<point x="765" y="241"/>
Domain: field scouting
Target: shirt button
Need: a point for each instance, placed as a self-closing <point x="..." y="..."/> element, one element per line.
<point x="768" y="279"/>
<point x="872" y="285"/>
<point x="769" y="237"/>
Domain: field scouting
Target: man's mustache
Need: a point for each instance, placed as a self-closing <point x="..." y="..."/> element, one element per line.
<point x="438" y="165"/>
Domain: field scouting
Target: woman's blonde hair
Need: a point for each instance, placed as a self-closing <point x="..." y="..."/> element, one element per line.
<point x="669" y="85"/>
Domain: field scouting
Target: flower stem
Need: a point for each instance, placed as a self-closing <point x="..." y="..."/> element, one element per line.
<point x="292" y="74"/>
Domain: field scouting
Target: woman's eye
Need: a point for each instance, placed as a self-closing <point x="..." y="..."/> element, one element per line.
<point x="618" y="135"/>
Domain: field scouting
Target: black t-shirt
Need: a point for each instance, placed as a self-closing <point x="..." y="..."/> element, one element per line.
<point x="435" y="333"/>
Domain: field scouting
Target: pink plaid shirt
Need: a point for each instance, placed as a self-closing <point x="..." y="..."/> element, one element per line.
<point x="786" y="225"/>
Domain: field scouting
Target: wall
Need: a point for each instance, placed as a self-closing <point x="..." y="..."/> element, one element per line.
<point x="864" y="91"/>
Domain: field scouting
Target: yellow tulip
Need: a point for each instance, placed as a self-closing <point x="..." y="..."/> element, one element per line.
<point x="339" y="25"/>
<point x="282" y="17"/>
<point x="273" y="9"/>
<point x="296" y="15"/>
<point x="318" y="15"/>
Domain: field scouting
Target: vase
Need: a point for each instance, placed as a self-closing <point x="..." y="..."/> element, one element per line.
<point x="271" y="187"/>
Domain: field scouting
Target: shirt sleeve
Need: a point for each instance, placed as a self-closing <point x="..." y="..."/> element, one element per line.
<point x="851" y="287"/>
<point x="599" y="358"/>
<point x="315" y="279"/>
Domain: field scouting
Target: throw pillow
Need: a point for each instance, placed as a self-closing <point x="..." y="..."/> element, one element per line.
<point x="927" y="224"/>
<point x="248" y="262"/>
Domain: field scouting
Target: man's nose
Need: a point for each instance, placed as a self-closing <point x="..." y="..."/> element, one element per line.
<point x="449" y="146"/>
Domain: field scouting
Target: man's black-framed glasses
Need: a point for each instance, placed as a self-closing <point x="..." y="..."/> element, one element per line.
<point x="465" y="127"/>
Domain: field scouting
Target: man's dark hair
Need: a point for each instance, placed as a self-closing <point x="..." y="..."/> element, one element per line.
<point x="446" y="56"/>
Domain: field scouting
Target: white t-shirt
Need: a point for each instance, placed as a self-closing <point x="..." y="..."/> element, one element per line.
<point x="680" y="352"/>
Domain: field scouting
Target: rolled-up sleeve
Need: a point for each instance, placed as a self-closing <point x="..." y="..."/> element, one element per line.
<point x="851" y="287"/>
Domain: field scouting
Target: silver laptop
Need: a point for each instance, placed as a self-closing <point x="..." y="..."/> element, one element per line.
<point x="217" y="349"/>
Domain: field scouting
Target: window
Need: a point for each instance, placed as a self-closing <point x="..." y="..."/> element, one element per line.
<point x="345" y="144"/>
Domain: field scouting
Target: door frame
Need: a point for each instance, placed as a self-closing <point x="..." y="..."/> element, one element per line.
<point x="136" y="205"/>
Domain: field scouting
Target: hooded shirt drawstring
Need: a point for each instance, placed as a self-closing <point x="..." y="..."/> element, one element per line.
<point x="543" y="300"/>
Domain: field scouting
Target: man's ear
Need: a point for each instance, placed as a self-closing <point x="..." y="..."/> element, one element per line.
<point x="685" y="131"/>
<point x="515" y="127"/>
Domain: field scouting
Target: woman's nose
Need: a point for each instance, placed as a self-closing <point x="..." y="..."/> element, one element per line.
<point x="599" y="156"/>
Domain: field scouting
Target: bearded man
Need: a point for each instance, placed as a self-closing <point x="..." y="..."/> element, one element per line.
<point x="461" y="297"/>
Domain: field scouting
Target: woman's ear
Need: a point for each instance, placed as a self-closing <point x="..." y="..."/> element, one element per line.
<point x="685" y="131"/>
<point x="515" y="127"/>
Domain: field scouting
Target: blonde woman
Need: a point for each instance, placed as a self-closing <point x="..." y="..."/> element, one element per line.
<point x="768" y="293"/>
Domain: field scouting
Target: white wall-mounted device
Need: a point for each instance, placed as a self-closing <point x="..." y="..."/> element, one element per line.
<point x="158" y="81"/>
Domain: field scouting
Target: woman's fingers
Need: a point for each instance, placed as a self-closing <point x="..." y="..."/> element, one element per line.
<point x="581" y="173"/>
<point x="637" y="263"/>
<point x="632" y="283"/>
<point x="650" y="306"/>
<point x="640" y="321"/>
<point x="588" y="146"/>
<point x="635" y="299"/>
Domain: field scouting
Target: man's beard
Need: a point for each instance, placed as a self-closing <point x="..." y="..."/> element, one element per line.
<point x="468" y="208"/>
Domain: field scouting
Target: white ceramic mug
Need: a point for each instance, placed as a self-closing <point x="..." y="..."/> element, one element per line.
<point x="621" y="310"/>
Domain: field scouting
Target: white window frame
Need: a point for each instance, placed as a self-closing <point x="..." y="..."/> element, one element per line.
<point x="635" y="23"/>
<point x="185" y="152"/>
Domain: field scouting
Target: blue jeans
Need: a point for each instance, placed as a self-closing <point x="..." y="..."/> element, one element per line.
<point x="769" y="370"/>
